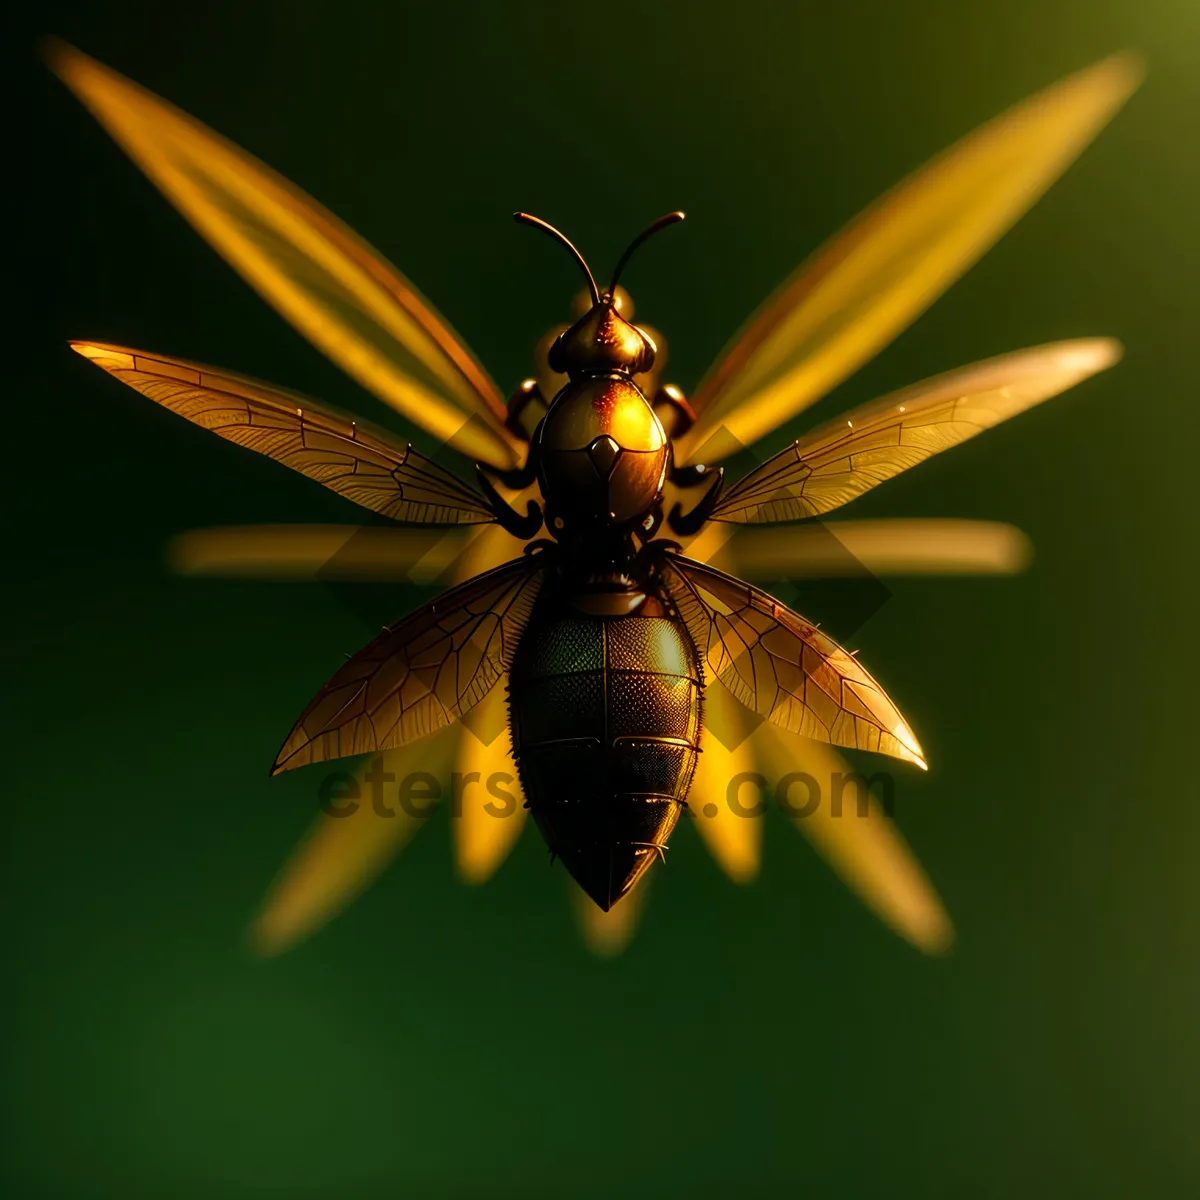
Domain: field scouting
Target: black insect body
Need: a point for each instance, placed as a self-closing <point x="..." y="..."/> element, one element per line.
<point x="606" y="714"/>
<point x="607" y="633"/>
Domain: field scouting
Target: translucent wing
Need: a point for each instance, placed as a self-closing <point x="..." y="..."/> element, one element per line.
<point x="782" y="667"/>
<point x="881" y="272"/>
<point x="420" y="674"/>
<point x="850" y="455"/>
<point x="333" y="287"/>
<point x="352" y="458"/>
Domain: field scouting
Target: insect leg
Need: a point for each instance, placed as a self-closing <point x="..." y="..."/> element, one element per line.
<point x="672" y="409"/>
<point x="690" y="522"/>
<point x="522" y="476"/>
<point x="506" y="516"/>
<point x="651" y="524"/>
<point x="527" y="396"/>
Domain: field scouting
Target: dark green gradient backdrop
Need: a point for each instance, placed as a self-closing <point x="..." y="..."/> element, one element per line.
<point x="439" y="1041"/>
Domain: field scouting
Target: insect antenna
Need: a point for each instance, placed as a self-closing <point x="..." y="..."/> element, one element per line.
<point x="523" y="218"/>
<point x="670" y="218"/>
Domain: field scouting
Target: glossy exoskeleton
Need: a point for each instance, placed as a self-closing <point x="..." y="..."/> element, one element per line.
<point x="582" y="573"/>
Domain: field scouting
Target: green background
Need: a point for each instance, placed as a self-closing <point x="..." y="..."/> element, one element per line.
<point x="444" y="1041"/>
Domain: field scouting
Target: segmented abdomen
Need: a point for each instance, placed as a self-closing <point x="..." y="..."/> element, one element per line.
<point x="605" y="718"/>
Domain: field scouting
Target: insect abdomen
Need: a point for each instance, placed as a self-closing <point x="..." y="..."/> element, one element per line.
<point x="605" y="717"/>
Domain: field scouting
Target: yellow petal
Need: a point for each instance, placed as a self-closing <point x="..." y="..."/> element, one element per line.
<point x="489" y="806"/>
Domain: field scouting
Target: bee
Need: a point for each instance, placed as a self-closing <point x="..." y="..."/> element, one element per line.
<point x="609" y="627"/>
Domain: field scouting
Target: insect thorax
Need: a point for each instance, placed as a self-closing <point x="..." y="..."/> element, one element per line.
<point x="602" y="454"/>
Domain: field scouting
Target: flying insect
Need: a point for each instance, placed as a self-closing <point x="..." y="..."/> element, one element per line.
<point x="609" y="627"/>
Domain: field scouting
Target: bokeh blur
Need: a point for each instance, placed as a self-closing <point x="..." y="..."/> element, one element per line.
<point x="444" y="1040"/>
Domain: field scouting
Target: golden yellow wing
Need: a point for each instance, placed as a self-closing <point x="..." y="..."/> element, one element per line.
<point x="352" y="458"/>
<point x="333" y="287"/>
<point x="420" y="674"/>
<point x="882" y="271"/>
<point x="851" y="454"/>
<point x="782" y="667"/>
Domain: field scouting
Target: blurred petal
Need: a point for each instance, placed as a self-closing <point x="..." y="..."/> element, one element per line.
<point x="606" y="934"/>
<point x="860" y="843"/>
<point x="316" y="272"/>
<point x="490" y="811"/>
<point x="341" y="855"/>
<point x="350" y="552"/>
<point x="709" y="542"/>
<point x="888" y="265"/>
<point x="719" y="806"/>
<point x="885" y="547"/>
<point x="484" y="547"/>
